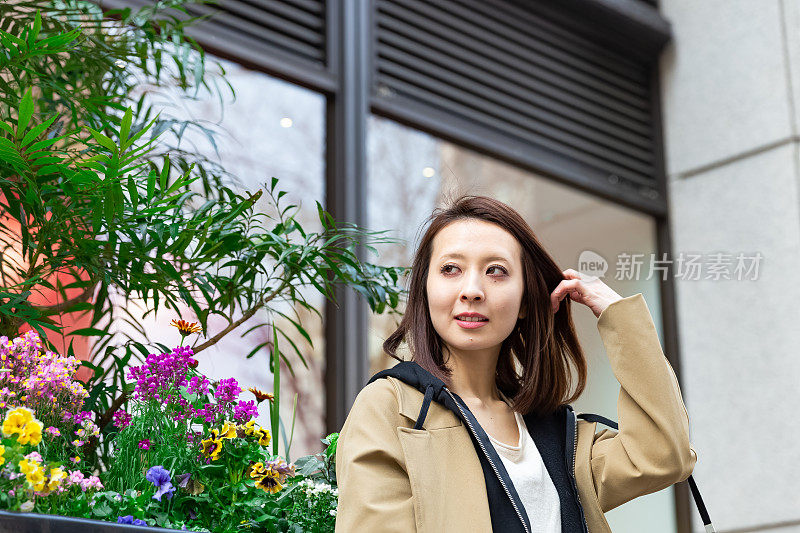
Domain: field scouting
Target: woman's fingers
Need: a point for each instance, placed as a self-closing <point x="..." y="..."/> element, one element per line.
<point x="586" y="290"/>
<point x="568" y="287"/>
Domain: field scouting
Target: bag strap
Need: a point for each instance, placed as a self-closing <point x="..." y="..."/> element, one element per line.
<point x="698" y="500"/>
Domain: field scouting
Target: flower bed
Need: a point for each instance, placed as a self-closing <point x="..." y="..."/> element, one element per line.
<point x="186" y="454"/>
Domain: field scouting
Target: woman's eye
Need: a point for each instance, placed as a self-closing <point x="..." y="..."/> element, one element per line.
<point x="446" y="269"/>
<point x="501" y="269"/>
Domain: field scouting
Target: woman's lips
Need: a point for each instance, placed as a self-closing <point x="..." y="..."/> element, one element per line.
<point x="470" y="325"/>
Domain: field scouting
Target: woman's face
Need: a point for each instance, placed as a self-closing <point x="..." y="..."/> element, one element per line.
<point x="476" y="266"/>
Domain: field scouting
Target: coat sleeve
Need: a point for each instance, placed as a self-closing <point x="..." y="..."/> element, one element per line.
<point x="651" y="450"/>
<point x="374" y="488"/>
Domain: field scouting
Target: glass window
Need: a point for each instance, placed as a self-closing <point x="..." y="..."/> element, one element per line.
<point x="272" y="128"/>
<point x="412" y="172"/>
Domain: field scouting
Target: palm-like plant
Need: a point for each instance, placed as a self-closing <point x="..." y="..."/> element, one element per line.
<point x="98" y="203"/>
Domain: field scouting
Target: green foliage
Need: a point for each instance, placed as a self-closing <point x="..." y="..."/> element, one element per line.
<point x="100" y="204"/>
<point x="99" y="199"/>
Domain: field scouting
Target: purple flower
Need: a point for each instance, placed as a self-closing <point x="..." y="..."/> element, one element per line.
<point x="159" y="477"/>
<point x="128" y="519"/>
<point x="81" y="416"/>
<point x="161" y="374"/>
<point x="183" y="479"/>
<point x="244" y="411"/>
<point x="227" y="391"/>
<point x="199" y="385"/>
<point x="144" y="444"/>
<point x="122" y="419"/>
<point x="207" y="413"/>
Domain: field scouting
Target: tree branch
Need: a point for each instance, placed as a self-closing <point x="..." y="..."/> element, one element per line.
<point x="233" y="325"/>
<point x="60" y="307"/>
<point x="117" y="403"/>
<point x="245" y="317"/>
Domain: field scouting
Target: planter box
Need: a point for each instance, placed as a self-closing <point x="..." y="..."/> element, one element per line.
<point x="45" y="523"/>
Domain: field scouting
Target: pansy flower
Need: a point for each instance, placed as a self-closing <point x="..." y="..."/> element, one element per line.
<point x="15" y="421"/>
<point x="160" y="478"/>
<point x="211" y="447"/>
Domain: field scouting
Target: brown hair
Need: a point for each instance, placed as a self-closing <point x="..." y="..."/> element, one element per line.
<point x="543" y="342"/>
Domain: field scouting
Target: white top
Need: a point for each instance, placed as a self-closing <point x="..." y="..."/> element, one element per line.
<point x="531" y="480"/>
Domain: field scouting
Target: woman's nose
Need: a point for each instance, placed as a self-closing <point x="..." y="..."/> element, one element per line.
<point x="472" y="289"/>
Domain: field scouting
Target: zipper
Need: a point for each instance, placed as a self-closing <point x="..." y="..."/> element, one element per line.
<point x="574" y="480"/>
<point x="494" y="467"/>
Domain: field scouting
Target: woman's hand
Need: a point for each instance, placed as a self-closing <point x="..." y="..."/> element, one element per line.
<point x="583" y="289"/>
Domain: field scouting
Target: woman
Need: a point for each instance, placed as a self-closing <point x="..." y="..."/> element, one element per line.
<point x="476" y="433"/>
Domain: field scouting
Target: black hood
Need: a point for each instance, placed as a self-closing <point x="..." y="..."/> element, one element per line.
<point x="411" y="373"/>
<point x="553" y="435"/>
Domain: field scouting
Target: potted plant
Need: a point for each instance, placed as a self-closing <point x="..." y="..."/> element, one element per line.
<point x="99" y="203"/>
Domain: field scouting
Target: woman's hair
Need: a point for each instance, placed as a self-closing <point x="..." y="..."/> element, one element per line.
<point x="543" y="342"/>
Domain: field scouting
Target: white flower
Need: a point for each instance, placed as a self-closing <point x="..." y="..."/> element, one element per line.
<point x="332" y="512"/>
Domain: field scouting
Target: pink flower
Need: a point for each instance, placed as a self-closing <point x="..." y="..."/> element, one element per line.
<point x="34" y="456"/>
<point x="53" y="432"/>
<point x="75" y="477"/>
<point x="122" y="418"/>
<point x="144" y="444"/>
<point x="92" y="482"/>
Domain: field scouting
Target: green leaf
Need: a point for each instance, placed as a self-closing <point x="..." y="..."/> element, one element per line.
<point x="104" y="141"/>
<point x="44" y="143"/>
<point x="90" y="332"/>
<point x="165" y="173"/>
<point x="24" y="113"/>
<point x="125" y="128"/>
<point x="34" y="32"/>
<point x="151" y="186"/>
<point x="34" y="133"/>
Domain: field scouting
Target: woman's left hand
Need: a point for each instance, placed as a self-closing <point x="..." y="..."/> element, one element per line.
<point x="583" y="289"/>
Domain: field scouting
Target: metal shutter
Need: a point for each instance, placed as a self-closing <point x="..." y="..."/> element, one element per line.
<point x="514" y="73"/>
<point x="293" y="30"/>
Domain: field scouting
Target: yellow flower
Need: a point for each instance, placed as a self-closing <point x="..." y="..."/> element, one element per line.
<point x="185" y="327"/>
<point x="2" y="454"/>
<point x="56" y="476"/>
<point x="32" y="433"/>
<point x="269" y="482"/>
<point x="15" y="421"/>
<point x="263" y="436"/>
<point x="36" y="478"/>
<point x="228" y="431"/>
<point x="250" y="428"/>
<point x="26" y="467"/>
<point x="211" y="447"/>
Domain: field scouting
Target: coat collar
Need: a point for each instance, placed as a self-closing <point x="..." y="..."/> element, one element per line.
<point x="410" y="399"/>
<point x="414" y="385"/>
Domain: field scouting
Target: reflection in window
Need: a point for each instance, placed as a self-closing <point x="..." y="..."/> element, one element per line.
<point x="272" y="128"/>
<point x="411" y="173"/>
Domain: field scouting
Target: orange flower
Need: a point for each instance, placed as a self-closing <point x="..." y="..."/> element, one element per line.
<point x="261" y="395"/>
<point x="185" y="327"/>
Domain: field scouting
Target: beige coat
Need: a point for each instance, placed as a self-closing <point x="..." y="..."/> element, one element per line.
<point x="393" y="478"/>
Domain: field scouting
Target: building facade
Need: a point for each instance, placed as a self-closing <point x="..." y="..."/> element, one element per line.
<point x="384" y="109"/>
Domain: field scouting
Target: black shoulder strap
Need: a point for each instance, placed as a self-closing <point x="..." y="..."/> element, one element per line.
<point x="698" y="500"/>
